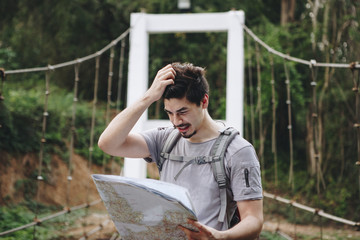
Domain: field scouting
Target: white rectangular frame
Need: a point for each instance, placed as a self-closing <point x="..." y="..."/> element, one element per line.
<point x="143" y="24"/>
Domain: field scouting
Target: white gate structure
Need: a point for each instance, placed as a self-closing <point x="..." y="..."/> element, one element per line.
<point x="143" y="24"/>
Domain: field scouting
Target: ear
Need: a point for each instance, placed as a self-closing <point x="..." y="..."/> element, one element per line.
<point x="205" y="101"/>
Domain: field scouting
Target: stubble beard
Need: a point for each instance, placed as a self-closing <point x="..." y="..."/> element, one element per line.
<point x="189" y="135"/>
<point x="185" y="135"/>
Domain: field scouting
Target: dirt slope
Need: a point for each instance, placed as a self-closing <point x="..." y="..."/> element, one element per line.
<point x="19" y="173"/>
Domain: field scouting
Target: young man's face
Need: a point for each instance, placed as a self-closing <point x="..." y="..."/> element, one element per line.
<point x="184" y="115"/>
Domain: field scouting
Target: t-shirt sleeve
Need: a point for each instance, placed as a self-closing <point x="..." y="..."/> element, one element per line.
<point x="245" y="174"/>
<point x="154" y="139"/>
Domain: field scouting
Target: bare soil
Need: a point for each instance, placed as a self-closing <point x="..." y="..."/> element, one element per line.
<point x="55" y="189"/>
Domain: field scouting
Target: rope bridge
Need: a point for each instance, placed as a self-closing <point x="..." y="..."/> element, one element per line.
<point x="313" y="66"/>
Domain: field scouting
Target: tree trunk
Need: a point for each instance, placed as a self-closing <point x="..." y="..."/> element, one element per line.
<point x="287" y="11"/>
<point x="310" y="144"/>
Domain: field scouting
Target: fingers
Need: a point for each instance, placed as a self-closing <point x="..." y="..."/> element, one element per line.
<point x="163" y="78"/>
<point x="166" y="73"/>
<point x="202" y="232"/>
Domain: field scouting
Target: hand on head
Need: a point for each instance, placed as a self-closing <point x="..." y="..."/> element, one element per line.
<point x="163" y="78"/>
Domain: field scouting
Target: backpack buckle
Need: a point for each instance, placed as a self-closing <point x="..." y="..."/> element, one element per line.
<point x="221" y="182"/>
<point x="227" y="132"/>
<point x="216" y="158"/>
<point x="200" y="160"/>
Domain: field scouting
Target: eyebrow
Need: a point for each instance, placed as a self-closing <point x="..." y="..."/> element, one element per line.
<point x="179" y="110"/>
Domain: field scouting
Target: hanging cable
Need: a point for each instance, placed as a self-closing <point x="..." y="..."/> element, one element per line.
<point x="91" y="145"/>
<point x="288" y="102"/>
<point x="72" y="134"/>
<point x="108" y="104"/>
<point x="73" y="62"/>
<point x="42" y="143"/>
<point x="111" y="63"/>
<point x="294" y="59"/>
<point x="259" y="109"/>
<point x="273" y="132"/>
<point x="315" y="128"/>
<point x="251" y="95"/>
<point x="120" y="79"/>
<point x="246" y="105"/>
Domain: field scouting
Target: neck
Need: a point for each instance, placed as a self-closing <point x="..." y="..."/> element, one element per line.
<point x="209" y="130"/>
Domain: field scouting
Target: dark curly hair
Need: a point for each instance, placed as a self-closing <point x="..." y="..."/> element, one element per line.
<point x="190" y="82"/>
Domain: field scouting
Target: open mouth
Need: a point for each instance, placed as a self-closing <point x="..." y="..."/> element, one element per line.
<point x="183" y="128"/>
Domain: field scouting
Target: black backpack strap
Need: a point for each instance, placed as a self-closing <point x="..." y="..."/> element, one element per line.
<point x="168" y="146"/>
<point x="218" y="152"/>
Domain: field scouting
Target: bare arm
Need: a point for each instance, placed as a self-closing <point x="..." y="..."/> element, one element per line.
<point x="251" y="212"/>
<point x="116" y="139"/>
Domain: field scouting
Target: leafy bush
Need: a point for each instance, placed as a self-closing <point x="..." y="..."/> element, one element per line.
<point x="21" y="119"/>
<point x="16" y="216"/>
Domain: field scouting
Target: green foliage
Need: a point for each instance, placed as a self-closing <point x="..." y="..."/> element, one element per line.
<point x="19" y="121"/>
<point x="19" y="215"/>
<point x="22" y="118"/>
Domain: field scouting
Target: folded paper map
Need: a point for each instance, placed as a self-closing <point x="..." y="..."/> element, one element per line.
<point x="145" y="208"/>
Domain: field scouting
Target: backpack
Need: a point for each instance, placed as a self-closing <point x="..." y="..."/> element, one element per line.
<point x="216" y="159"/>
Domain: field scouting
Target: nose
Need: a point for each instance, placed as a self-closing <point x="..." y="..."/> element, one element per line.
<point x="177" y="120"/>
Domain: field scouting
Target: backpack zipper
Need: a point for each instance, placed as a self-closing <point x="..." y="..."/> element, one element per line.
<point x="246" y="172"/>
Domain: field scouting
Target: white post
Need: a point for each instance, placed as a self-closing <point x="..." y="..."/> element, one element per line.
<point x="235" y="71"/>
<point x="137" y="83"/>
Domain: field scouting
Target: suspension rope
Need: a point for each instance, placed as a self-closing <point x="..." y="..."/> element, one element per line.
<point x="107" y="120"/>
<point x="312" y="210"/>
<point x="73" y="62"/>
<point x="49" y="217"/>
<point x="273" y="132"/>
<point x="291" y="147"/>
<point x="41" y="153"/>
<point x="294" y="59"/>
<point x="72" y="133"/>
<point x="355" y="89"/>
<point x="120" y="79"/>
<point x="251" y="96"/>
<point x="246" y="106"/>
<point x="108" y="104"/>
<point x="259" y="109"/>
<point x="111" y="63"/>
<point x="315" y="127"/>
<point x="91" y="145"/>
<point x="123" y="35"/>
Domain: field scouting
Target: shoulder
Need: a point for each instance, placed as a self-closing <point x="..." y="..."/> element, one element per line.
<point x="242" y="151"/>
<point x="157" y="134"/>
<point x="239" y="143"/>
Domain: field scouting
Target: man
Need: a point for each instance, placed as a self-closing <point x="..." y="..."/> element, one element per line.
<point x="186" y="98"/>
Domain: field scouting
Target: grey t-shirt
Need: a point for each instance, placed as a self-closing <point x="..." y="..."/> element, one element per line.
<point x="241" y="164"/>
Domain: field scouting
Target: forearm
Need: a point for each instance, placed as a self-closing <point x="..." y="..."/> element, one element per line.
<point x="115" y="134"/>
<point x="248" y="228"/>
